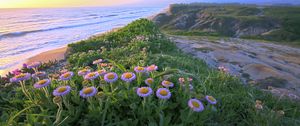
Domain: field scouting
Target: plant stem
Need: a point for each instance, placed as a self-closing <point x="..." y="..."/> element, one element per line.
<point x="90" y="101"/>
<point x="112" y="88"/>
<point x="47" y="94"/>
<point x="105" y="111"/>
<point x="27" y="94"/>
<point x="143" y="103"/>
<point x="139" y="79"/>
<point x="93" y="82"/>
<point x="11" y="119"/>
<point x="152" y="75"/>
<point x="58" y="114"/>
<point x="188" y="117"/>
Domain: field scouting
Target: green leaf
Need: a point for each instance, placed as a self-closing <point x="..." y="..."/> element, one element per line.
<point x="167" y="72"/>
<point x="120" y="66"/>
<point x="10" y="120"/>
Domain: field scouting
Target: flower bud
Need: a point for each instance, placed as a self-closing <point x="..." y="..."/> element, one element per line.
<point x="258" y="102"/>
<point x="85" y="82"/>
<point x="198" y="96"/>
<point x="100" y="94"/>
<point x="258" y="106"/>
<point x="280" y="112"/>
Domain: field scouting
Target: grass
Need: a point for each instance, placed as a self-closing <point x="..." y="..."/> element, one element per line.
<point x="142" y="44"/>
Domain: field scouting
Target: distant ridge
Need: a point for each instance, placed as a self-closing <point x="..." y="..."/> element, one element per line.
<point x="278" y="23"/>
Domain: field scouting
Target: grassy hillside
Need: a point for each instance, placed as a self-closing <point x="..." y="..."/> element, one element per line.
<point x="276" y="23"/>
<point x="141" y="43"/>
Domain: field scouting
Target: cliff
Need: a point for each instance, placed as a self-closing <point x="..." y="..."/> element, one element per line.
<point x="234" y="20"/>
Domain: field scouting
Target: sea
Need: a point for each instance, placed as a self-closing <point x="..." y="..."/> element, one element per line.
<point x="25" y="33"/>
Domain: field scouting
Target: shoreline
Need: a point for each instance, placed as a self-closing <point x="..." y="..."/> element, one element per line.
<point x="44" y="57"/>
<point x="51" y="55"/>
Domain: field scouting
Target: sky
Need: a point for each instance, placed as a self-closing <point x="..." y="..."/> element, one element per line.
<point x="80" y="3"/>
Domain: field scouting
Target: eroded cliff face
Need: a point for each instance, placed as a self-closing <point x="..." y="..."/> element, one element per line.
<point x="226" y="20"/>
<point x="269" y="66"/>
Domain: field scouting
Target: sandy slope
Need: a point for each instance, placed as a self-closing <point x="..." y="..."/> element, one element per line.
<point x="266" y="64"/>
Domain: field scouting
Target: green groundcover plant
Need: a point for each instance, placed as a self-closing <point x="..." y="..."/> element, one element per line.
<point x="136" y="76"/>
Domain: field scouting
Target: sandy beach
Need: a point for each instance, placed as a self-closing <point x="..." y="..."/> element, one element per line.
<point x="51" y="55"/>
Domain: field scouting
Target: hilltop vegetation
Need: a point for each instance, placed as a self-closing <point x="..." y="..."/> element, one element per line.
<point x="276" y="23"/>
<point x="142" y="44"/>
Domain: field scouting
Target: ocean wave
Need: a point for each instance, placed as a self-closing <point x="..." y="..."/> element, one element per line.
<point x="120" y="11"/>
<point x="104" y="16"/>
<point x="137" y="12"/>
<point x="129" y="17"/>
<point x="37" y="30"/>
<point x="92" y="15"/>
<point x="22" y="49"/>
<point x="2" y="67"/>
<point x="22" y="33"/>
<point x="111" y="15"/>
<point x="35" y="21"/>
<point x="18" y="50"/>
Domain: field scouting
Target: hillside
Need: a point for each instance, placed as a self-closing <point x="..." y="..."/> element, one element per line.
<point x="276" y="23"/>
<point x="118" y="103"/>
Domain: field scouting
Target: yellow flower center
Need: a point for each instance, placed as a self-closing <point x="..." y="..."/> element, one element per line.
<point x="163" y="92"/>
<point x="195" y="104"/>
<point x="41" y="82"/>
<point x="66" y="75"/>
<point x="149" y="81"/>
<point x="84" y="70"/>
<point x="152" y="67"/>
<point x="20" y="75"/>
<point x="127" y="75"/>
<point x="144" y="90"/>
<point x="211" y="98"/>
<point x="62" y="89"/>
<point x="103" y="64"/>
<point x="167" y="82"/>
<point x="110" y="76"/>
<point x="140" y="68"/>
<point x="88" y="90"/>
<point x="101" y="71"/>
<point x="91" y="74"/>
